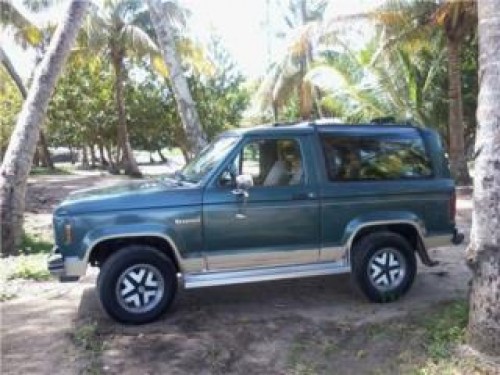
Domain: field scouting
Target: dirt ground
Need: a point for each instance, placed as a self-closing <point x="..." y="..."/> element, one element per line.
<point x="316" y="325"/>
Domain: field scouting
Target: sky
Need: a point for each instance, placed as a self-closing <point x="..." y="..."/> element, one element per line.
<point x="239" y="23"/>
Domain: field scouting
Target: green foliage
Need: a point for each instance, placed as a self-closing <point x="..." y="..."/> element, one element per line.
<point x="41" y="171"/>
<point x="152" y="115"/>
<point x="6" y="295"/>
<point x="32" y="244"/>
<point x="360" y="86"/>
<point x="10" y="105"/>
<point x="87" y="337"/>
<point x="30" y="267"/>
<point x="446" y="329"/>
<point x="220" y="97"/>
<point x="82" y="110"/>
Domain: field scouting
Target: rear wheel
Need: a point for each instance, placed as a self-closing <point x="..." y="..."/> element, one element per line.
<point x="137" y="284"/>
<point x="384" y="266"/>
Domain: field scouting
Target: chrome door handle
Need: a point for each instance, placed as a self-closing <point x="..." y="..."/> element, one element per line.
<point x="303" y="196"/>
<point x="240" y="192"/>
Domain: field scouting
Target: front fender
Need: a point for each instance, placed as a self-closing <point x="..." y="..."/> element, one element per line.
<point x="381" y="218"/>
<point x="98" y="235"/>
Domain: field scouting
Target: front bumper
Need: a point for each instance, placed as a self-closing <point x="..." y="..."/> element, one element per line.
<point x="67" y="269"/>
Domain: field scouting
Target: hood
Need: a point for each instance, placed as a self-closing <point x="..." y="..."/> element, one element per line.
<point x="130" y="196"/>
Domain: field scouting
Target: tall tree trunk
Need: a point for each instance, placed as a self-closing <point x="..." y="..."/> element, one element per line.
<point x="85" y="158"/>
<point x="458" y="161"/>
<point x="275" y="111"/>
<point x="44" y="152"/>
<point x="160" y="154"/>
<point x="195" y="135"/>
<point x="483" y="254"/>
<point x="71" y="154"/>
<point x="128" y="159"/>
<point x="102" y="156"/>
<point x="93" y="157"/>
<point x="112" y="164"/>
<point x="19" y="156"/>
<point x="36" y="158"/>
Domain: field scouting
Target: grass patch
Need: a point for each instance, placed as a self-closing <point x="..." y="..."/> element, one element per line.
<point x="444" y="332"/>
<point x="446" y="329"/>
<point x="7" y="296"/>
<point x="43" y="171"/>
<point x="87" y="338"/>
<point x="32" y="244"/>
<point x="27" y="267"/>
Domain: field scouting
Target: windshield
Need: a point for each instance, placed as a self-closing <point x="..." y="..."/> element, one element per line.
<point x="208" y="159"/>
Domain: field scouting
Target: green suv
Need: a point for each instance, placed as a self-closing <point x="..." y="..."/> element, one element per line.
<point x="265" y="203"/>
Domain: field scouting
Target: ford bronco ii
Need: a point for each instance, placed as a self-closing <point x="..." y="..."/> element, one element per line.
<point x="265" y="203"/>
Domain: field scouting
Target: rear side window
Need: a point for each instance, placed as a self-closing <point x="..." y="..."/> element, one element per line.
<point x="354" y="158"/>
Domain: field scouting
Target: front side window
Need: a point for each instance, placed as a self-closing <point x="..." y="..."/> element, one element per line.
<point x="270" y="162"/>
<point x="208" y="159"/>
<point x="375" y="158"/>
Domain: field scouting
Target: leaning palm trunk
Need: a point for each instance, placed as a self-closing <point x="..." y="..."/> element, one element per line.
<point x="19" y="156"/>
<point x="483" y="253"/>
<point x="458" y="162"/>
<point x="187" y="109"/>
<point x="11" y="70"/>
<point x="128" y="159"/>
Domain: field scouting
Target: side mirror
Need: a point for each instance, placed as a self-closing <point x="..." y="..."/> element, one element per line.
<point x="244" y="181"/>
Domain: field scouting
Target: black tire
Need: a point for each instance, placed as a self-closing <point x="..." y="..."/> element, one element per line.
<point x="123" y="271"/>
<point x="383" y="266"/>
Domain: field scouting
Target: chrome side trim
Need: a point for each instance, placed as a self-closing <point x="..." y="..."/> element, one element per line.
<point x="332" y="254"/>
<point x="231" y="277"/>
<point x="185" y="264"/>
<point x="437" y="241"/>
<point x="262" y="258"/>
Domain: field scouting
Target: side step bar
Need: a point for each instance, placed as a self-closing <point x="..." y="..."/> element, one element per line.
<point x="231" y="277"/>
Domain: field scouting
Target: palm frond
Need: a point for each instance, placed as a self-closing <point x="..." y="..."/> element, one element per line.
<point x="137" y="41"/>
<point x="14" y="16"/>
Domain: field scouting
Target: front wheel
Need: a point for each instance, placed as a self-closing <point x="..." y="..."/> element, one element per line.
<point x="137" y="284"/>
<point x="383" y="266"/>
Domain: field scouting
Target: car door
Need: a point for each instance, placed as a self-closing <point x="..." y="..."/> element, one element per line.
<point x="276" y="222"/>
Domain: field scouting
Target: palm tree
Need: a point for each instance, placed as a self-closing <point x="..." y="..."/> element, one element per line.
<point x="17" y="18"/>
<point x="286" y="76"/>
<point x="360" y="86"/>
<point x="27" y="33"/>
<point x="115" y="31"/>
<point x="18" y="157"/>
<point x="164" y="16"/>
<point x="483" y="253"/>
<point x="403" y="21"/>
<point x="457" y="17"/>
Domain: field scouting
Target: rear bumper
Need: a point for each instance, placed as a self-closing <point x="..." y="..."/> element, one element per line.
<point x="455" y="238"/>
<point x="67" y="269"/>
<point x="430" y="242"/>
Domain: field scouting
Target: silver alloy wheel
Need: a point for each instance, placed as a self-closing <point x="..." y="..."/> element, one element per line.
<point x="386" y="269"/>
<point x="140" y="288"/>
